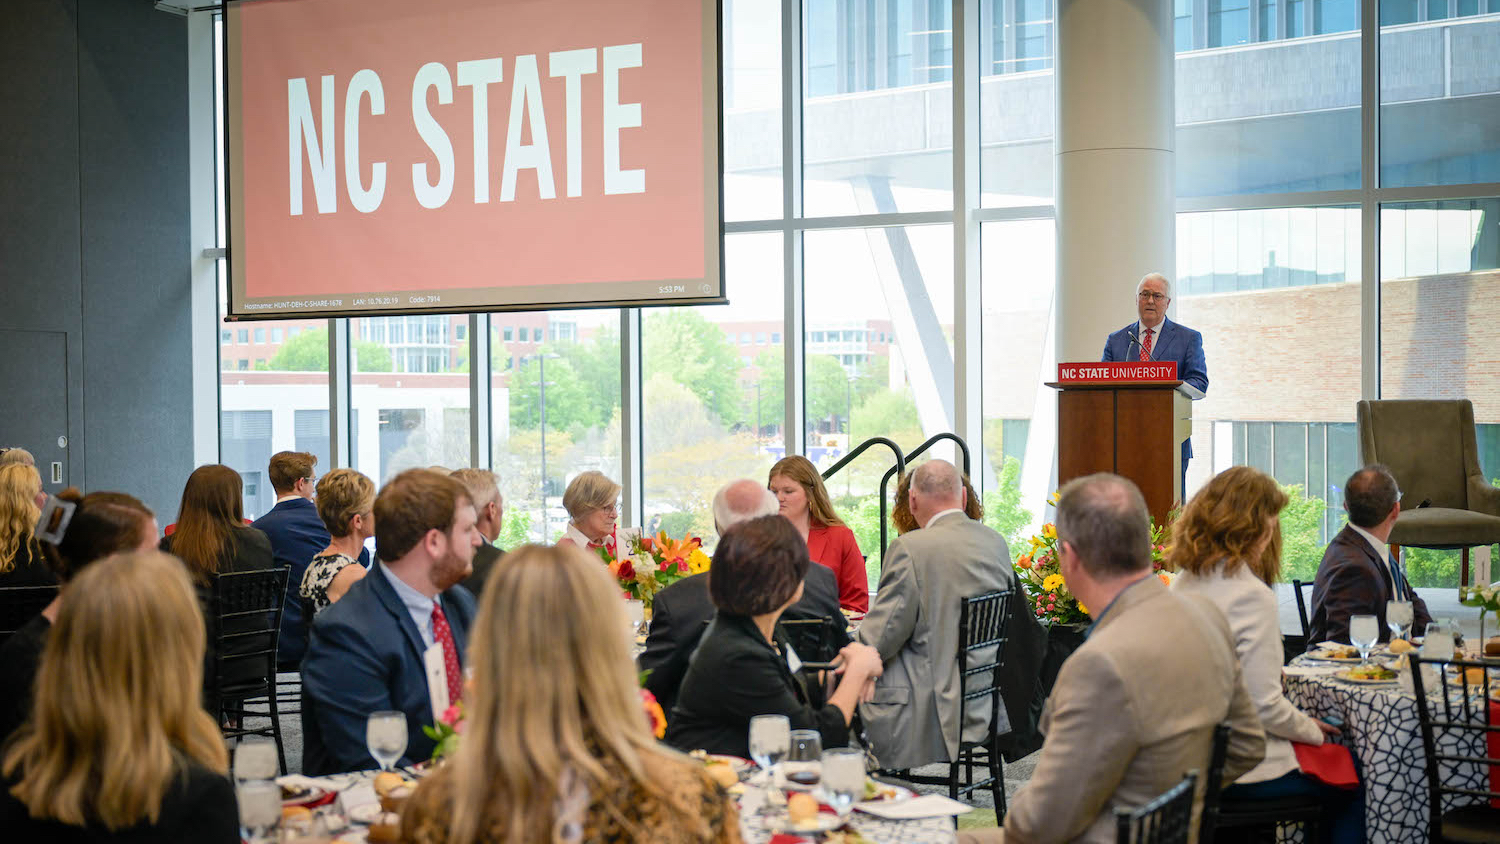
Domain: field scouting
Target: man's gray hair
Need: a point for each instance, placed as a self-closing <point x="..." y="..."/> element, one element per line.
<point x="938" y="480"/>
<point x="1104" y="518"/>
<point x="1166" y="283"/>
<point x="740" y="501"/>
<point x="482" y="484"/>
<point x="13" y="454"/>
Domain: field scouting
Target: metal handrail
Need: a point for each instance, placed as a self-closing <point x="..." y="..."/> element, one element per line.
<point x="963" y="448"/>
<point x="899" y="467"/>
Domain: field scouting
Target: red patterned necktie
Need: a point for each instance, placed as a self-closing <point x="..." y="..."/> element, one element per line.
<point x="1146" y="346"/>
<point x="444" y="636"/>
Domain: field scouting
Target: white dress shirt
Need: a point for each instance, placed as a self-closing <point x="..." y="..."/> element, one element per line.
<point x="1250" y="607"/>
<point x="419" y="605"/>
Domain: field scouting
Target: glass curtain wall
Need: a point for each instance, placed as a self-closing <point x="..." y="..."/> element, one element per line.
<point x="1312" y="257"/>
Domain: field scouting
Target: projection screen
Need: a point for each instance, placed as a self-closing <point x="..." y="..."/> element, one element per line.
<point x="410" y="156"/>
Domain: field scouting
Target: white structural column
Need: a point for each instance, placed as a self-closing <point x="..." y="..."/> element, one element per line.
<point x="1116" y="191"/>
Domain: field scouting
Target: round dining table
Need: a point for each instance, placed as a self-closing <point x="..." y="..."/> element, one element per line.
<point x="1382" y="731"/>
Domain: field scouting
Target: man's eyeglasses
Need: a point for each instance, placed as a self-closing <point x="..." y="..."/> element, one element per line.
<point x="1148" y="296"/>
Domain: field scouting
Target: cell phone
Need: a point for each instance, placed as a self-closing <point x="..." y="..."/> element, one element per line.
<point x="1334" y="721"/>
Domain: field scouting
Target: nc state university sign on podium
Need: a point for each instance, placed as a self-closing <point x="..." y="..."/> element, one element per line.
<point x="1126" y="417"/>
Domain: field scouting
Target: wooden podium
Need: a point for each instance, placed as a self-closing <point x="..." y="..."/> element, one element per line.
<point x="1129" y="418"/>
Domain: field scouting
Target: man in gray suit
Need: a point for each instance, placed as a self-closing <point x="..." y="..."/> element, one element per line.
<point x="914" y="717"/>
<point x="1134" y="708"/>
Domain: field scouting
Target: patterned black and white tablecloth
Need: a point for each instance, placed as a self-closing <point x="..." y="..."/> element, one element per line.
<point x="755" y="830"/>
<point x="1382" y="731"/>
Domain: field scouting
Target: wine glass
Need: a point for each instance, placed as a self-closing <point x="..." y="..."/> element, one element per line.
<point x="1398" y="617"/>
<point x="1364" y="632"/>
<point x="843" y="778"/>
<point x="770" y="738"/>
<point x="255" y="759"/>
<point x="804" y="761"/>
<point x="385" y="736"/>
<point x="260" y="808"/>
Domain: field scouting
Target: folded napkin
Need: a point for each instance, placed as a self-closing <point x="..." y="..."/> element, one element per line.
<point x="1328" y="763"/>
<point x="926" y="806"/>
<point x="1310" y="670"/>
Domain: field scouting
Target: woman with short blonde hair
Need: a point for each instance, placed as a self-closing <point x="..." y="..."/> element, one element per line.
<point x="21" y="562"/>
<point x="346" y="504"/>
<point x="566" y="755"/>
<point x="804" y="501"/>
<point x="118" y="744"/>
<point x="590" y="500"/>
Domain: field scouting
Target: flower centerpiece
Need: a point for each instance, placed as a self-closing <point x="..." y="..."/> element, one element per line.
<point x="650" y="564"/>
<point x="1039" y="571"/>
<point x="446" y="731"/>
<point x="1486" y="599"/>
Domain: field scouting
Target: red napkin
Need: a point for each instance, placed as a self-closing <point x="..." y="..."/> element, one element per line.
<point x="1328" y="763"/>
<point x="784" y="838"/>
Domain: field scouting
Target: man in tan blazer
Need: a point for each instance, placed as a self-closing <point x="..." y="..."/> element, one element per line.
<point x="915" y="716"/>
<point x="1135" y="707"/>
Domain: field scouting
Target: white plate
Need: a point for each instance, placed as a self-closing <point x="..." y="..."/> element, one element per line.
<point x="900" y="793"/>
<point x="822" y="822"/>
<point x="1323" y="656"/>
<point x="1344" y="675"/>
<point x="366" y="813"/>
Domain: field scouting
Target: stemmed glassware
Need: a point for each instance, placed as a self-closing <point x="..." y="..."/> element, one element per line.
<point x="1398" y="617"/>
<point x="385" y="736"/>
<point x="803" y="767"/>
<point x="770" y="739"/>
<point x="843" y="778"/>
<point x="260" y="809"/>
<point x="255" y="759"/>
<point x="1364" y="632"/>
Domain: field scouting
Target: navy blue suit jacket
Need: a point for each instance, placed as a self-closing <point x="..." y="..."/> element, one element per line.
<point x="364" y="655"/>
<point x="297" y="535"/>
<point x="1173" y="342"/>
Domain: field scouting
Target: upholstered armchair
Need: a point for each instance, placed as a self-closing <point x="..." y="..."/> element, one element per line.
<point x="1430" y="447"/>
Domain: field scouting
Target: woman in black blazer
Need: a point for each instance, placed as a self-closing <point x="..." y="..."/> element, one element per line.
<point x="740" y="669"/>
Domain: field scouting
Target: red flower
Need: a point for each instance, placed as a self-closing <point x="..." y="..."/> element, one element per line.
<point x="626" y="570"/>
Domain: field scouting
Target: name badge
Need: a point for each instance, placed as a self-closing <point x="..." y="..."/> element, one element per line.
<point x="793" y="661"/>
<point x="437" y="680"/>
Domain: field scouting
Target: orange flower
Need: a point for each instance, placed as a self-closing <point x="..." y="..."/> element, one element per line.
<point x="1164" y="578"/>
<point x="1024" y="562"/>
<point x="654" y="714"/>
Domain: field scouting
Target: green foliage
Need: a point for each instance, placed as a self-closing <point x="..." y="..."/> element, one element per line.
<point x="308" y="352"/>
<point x="1301" y="535"/>
<point x="1003" y="511"/>
<point x="888" y="413"/>
<point x="679" y="524"/>
<point x="862" y="515"/>
<point x="682" y="343"/>
<point x="567" y="404"/>
<point x="515" y="529"/>
<point x="1430" y="567"/>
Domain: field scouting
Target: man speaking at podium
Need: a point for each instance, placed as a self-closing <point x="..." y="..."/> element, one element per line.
<point x="1154" y="337"/>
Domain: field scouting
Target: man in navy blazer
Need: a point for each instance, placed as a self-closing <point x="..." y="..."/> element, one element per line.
<point x="297" y="535"/>
<point x="1357" y="576"/>
<point x="366" y="652"/>
<point x="1154" y="337"/>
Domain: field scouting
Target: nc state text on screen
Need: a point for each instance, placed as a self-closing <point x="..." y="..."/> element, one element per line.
<point x="312" y="139"/>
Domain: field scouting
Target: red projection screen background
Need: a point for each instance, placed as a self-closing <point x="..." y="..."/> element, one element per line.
<point x="409" y="156"/>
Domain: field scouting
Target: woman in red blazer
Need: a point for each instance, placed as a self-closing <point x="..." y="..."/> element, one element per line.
<point x="804" y="501"/>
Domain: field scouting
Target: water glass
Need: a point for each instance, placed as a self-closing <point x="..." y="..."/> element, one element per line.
<point x="770" y="738"/>
<point x="1364" y="632"/>
<point x="255" y="759"/>
<point x="1398" y="617"/>
<point x="260" y="809"/>
<point x="803" y="767"/>
<point x="843" y="778"/>
<point x="385" y="736"/>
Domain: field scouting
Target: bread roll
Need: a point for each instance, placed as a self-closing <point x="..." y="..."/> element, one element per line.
<point x="801" y="807"/>
<point x="385" y="781"/>
<point x="1492" y="646"/>
<point x="722" y="774"/>
<point x="1400" y="646"/>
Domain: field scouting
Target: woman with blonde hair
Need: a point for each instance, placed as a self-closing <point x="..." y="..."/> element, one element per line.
<point x="591" y="501"/>
<point x="119" y="747"/>
<point x="556" y="745"/>
<point x="211" y="535"/>
<point x="804" y="501"/>
<point x="21" y="562"/>
<point x="1226" y="547"/>
<point x="102" y="523"/>
<point x="346" y="504"/>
